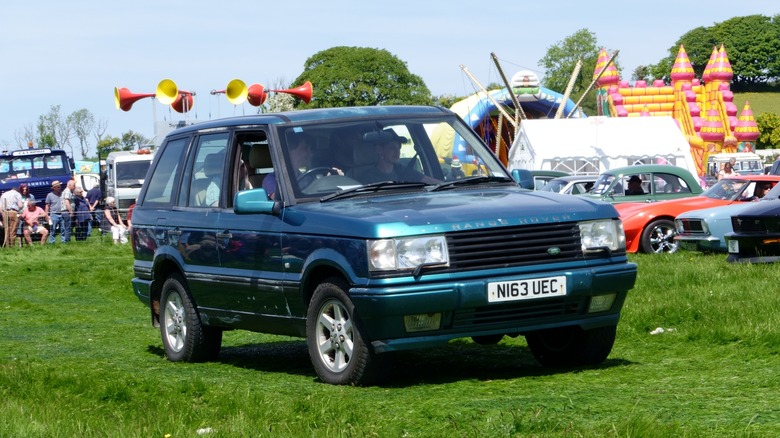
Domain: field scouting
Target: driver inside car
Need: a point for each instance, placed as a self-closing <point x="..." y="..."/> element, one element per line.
<point x="299" y="146"/>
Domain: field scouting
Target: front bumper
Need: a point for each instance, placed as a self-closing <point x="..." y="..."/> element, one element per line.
<point x="466" y="311"/>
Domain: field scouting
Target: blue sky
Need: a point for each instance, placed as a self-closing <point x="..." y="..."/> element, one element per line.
<point x="74" y="53"/>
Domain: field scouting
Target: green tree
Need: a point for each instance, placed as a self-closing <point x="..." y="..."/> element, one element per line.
<point x="769" y="127"/>
<point x="54" y="130"/>
<point x="361" y="76"/>
<point x="132" y="141"/>
<point x="752" y="44"/>
<point x="108" y="144"/>
<point x="83" y="124"/>
<point x="559" y="63"/>
<point x="642" y="73"/>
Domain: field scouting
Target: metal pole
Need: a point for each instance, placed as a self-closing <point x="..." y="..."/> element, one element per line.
<point x="518" y="108"/>
<point x="498" y="106"/>
<point x="577" y="105"/>
<point x="569" y="87"/>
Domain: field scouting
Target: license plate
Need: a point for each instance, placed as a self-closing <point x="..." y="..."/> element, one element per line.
<point x="733" y="246"/>
<point x="526" y="289"/>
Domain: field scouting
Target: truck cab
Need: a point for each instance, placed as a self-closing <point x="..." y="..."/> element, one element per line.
<point x="125" y="174"/>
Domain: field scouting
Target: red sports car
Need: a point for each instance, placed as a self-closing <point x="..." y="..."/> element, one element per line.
<point x="650" y="228"/>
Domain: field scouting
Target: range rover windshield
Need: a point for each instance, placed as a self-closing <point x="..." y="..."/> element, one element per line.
<point x="385" y="154"/>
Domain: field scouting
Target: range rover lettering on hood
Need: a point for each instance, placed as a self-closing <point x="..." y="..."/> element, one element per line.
<point x="519" y="221"/>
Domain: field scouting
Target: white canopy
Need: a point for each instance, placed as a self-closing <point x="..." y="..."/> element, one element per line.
<point x="594" y="144"/>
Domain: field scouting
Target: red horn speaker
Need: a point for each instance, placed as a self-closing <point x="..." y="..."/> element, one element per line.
<point x="124" y="99"/>
<point x="304" y="92"/>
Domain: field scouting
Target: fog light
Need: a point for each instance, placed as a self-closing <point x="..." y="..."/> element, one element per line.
<point x="421" y="323"/>
<point x="601" y="303"/>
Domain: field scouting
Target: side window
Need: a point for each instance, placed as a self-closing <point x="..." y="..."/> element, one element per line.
<point x="206" y="182"/>
<point x="669" y="183"/>
<point x="637" y="184"/>
<point x="252" y="161"/>
<point x="161" y="186"/>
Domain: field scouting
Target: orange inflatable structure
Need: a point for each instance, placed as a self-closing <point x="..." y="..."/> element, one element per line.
<point x="703" y="108"/>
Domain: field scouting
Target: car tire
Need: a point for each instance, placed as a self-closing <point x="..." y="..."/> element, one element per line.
<point x="338" y="346"/>
<point x="571" y="346"/>
<point x="184" y="336"/>
<point x="658" y="237"/>
<point x="487" y="339"/>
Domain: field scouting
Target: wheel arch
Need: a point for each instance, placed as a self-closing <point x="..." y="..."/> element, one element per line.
<point x="163" y="268"/>
<point x="637" y="241"/>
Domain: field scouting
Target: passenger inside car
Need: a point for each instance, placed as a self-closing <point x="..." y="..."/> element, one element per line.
<point x="387" y="166"/>
<point x="635" y="186"/>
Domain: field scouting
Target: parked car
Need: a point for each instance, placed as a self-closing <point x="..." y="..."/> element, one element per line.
<point x="756" y="234"/>
<point x="658" y="182"/>
<point x="703" y="230"/>
<point x="650" y="227"/>
<point x="361" y="269"/>
<point x="542" y="177"/>
<point x="571" y="185"/>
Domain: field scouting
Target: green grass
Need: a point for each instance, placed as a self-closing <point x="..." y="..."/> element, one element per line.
<point x="759" y="102"/>
<point x="78" y="357"/>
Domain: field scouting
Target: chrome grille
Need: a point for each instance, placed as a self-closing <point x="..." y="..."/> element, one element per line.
<point x="503" y="247"/>
<point x="692" y="226"/>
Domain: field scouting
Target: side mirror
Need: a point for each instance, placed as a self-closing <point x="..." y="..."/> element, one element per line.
<point x="524" y="178"/>
<point x="254" y="201"/>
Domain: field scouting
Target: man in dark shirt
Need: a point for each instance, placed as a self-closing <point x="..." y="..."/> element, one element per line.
<point x="94" y="196"/>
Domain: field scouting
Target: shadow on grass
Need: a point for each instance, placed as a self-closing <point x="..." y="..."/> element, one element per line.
<point x="458" y="360"/>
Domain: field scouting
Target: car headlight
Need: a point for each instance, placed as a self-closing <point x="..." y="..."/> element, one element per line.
<point x="407" y="253"/>
<point x="678" y="225"/>
<point x="598" y="235"/>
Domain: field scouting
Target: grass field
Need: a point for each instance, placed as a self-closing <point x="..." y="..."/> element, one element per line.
<point x="78" y="357"/>
<point x="759" y="102"/>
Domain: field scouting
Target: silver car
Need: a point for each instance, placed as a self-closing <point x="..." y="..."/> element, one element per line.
<point x="571" y="185"/>
<point x="703" y="230"/>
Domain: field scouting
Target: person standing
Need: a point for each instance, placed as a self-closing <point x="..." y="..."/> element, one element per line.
<point x="54" y="210"/>
<point x="11" y="202"/>
<point x="81" y="216"/>
<point x="728" y="169"/>
<point x="67" y="210"/>
<point x="26" y="195"/>
<point x="94" y="195"/>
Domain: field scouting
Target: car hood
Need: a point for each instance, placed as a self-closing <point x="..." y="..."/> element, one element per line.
<point x="723" y="211"/>
<point x="424" y="213"/>
<point x="672" y="206"/>
<point x="763" y="208"/>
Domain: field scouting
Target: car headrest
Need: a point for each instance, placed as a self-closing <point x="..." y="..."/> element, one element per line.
<point x="260" y="157"/>
<point x="212" y="167"/>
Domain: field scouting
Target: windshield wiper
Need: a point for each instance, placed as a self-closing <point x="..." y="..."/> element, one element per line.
<point x="372" y="188"/>
<point x="469" y="181"/>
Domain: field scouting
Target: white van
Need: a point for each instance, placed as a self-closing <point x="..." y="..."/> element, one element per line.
<point x="125" y="173"/>
<point x="747" y="163"/>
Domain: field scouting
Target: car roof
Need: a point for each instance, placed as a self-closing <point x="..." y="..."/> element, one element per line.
<point x="570" y="178"/>
<point x="316" y="114"/>
<point x="648" y="168"/>
<point x="555" y="173"/>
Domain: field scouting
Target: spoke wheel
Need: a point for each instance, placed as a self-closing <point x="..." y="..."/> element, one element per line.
<point x="337" y="345"/>
<point x="658" y="237"/>
<point x="184" y="337"/>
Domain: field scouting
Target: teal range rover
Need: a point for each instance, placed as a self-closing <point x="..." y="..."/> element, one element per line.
<point x="351" y="228"/>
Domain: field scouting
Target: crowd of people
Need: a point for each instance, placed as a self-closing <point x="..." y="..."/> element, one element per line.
<point x="69" y="212"/>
